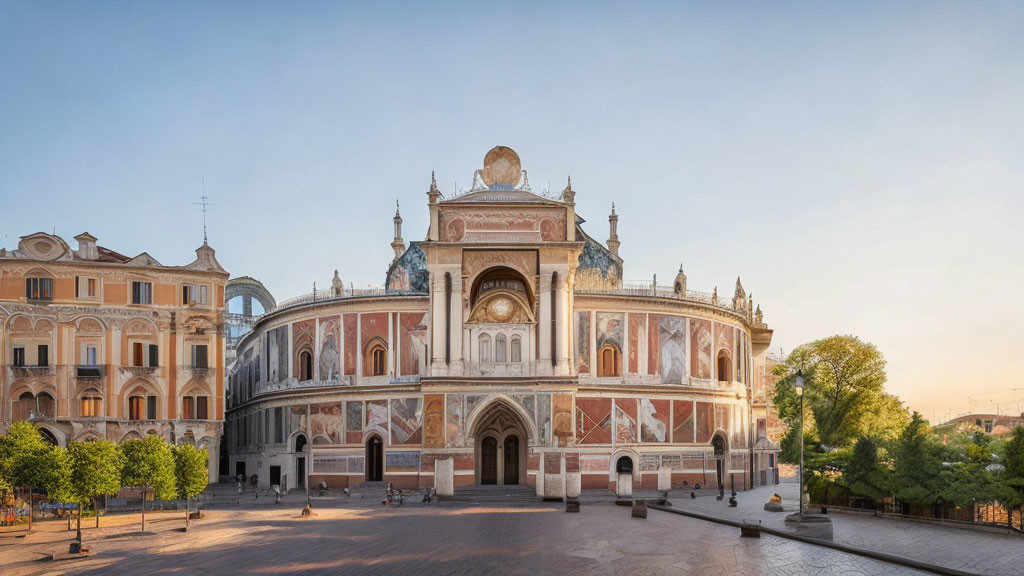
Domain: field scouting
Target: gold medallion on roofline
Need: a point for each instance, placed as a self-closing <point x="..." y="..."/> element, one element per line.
<point x="501" y="167"/>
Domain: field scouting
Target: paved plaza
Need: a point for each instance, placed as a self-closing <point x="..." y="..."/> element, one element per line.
<point x="359" y="536"/>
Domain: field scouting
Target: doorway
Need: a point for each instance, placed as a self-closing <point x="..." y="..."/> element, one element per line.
<point x="240" y="468"/>
<point x="374" y="459"/>
<point x="719" y="445"/>
<point x="489" y="461"/>
<point x="511" y="460"/>
<point x="275" y="475"/>
<point x="300" y="470"/>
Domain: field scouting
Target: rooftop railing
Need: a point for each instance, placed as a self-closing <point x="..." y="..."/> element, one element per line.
<point x="642" y="288"/>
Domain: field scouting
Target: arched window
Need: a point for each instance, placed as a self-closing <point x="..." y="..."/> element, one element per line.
<point x="624" y="465"/>
<point x="375" y="363"/>
<point x="517" y="349"/>
<point x="135" y="407"/>
<point x="25" y="407"/>
<point x="46" y="406"/>
<point x="485" y="348"/>
<point x="724" y="366"/>
<point x="609" y="361"/>
<point x="499" y="349"/>
<point x="305" y="365"/>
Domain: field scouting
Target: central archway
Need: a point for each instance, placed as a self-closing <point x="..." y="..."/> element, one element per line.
<point x="500" y="434"/>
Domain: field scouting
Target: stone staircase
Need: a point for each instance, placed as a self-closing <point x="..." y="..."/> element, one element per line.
<point x="494" y="495"/>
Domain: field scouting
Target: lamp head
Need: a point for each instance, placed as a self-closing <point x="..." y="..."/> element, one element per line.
<point x="799" y="383"/>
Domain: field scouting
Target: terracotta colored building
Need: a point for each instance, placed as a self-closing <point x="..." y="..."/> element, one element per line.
<point x="95" y="344"/>
<point x="505" y="348"/>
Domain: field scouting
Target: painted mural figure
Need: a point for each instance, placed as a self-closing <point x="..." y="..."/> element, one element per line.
<point x="652" y="429"/>
<point x="672" y="331"/>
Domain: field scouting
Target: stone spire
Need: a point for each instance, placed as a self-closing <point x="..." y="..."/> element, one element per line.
<point x="569" y="195"/>
<point x="758" y="316"/>
<point x="679" y="286"/>
<point x="398" y="244"/>
<point x="613" y="229"/>
<point x="433" y="194"/>
<point x="337" y="286"/>
<point x="739" y="296"/>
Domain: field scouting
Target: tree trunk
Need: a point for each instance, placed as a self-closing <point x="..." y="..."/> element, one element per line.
<point x="186" y="512"/>
<point x="30" y="508"/>
<point x="78" y="535"/>
<point x="143" y="509"/>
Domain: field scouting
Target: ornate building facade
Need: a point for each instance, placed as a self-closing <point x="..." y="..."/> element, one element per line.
<point x="98" y="345"/>
<point x="505" y="348"/>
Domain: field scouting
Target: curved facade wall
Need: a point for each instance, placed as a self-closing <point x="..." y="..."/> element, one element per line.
<point x="506" y="350"/>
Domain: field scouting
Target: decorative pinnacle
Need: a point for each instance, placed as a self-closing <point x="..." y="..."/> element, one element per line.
<point x="613" y="208"/>
<point x="568" y="186"/>
<point x="680" y="267"/>
<point x="397" y="211"/>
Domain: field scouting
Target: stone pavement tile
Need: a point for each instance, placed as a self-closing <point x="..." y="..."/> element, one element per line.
<point x="600" y="540"/>
<point x="962" y="548"/>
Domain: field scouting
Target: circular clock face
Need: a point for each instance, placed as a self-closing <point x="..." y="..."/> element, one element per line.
<point x="500" y="309"/>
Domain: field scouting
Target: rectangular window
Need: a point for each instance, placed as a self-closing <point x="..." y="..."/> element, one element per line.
<point x="137" y="354"/>
<point x="135" y="408"/>
<point x="154" y="355"/>
<point x="85" y="287"/>
<point x="44" y="355"/>
<point x="195" y="294"/>
<point x="279" y="425"/>
<point x="142" y="292"/>
<point x="90" y="355"/>
<point x="199" y="356"/>
<point x="151" y="407"/>
<point x="19" y="356"/>
<point x="39" y="288"/>
<point x="187" y="408"/>
<point x="202" y="408"/>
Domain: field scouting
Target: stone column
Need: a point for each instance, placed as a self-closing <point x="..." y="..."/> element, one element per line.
<point x="561" y="315"/>
<point x="437" y="322"/>
<point x="457" y="320"/>
<point x="544" y="323"/>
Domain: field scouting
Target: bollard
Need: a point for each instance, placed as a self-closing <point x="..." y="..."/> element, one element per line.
<point x="639" y="509"/>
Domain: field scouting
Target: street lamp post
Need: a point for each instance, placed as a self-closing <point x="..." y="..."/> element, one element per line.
<point x="799" y="384"/>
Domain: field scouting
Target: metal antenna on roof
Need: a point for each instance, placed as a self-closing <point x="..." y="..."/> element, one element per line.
<point x="204" y="203"/>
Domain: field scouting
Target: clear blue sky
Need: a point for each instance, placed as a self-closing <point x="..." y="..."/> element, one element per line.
<point x="859" y="164"/>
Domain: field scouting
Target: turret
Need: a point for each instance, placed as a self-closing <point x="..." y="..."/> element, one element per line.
<point x="87" y="246"/>
<point x="569" y="195"/>
<point x="433" y="193"/>
<point x="613" y="229"/>
<point x="398" y="244"/>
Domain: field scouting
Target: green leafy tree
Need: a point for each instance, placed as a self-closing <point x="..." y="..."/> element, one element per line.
<point x="844" y="398"/>
<point x="149" y="463"/>
<point x="27" y="460"/>
<point x="1010" y="486"/>
<point x="917" y="463"/>
<point x="865" y="475"/>
<point x="190" y="472"/>
<point x="95" y="471"/>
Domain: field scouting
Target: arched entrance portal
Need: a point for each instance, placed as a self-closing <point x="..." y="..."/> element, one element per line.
<point x="500" y="438"/>
<point x="718" y="442"/>
<point x="374" y="459"/>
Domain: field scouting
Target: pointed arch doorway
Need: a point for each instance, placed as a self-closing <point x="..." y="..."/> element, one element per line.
<point x="500" y="437"/>
<point x="374" y="459"/>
